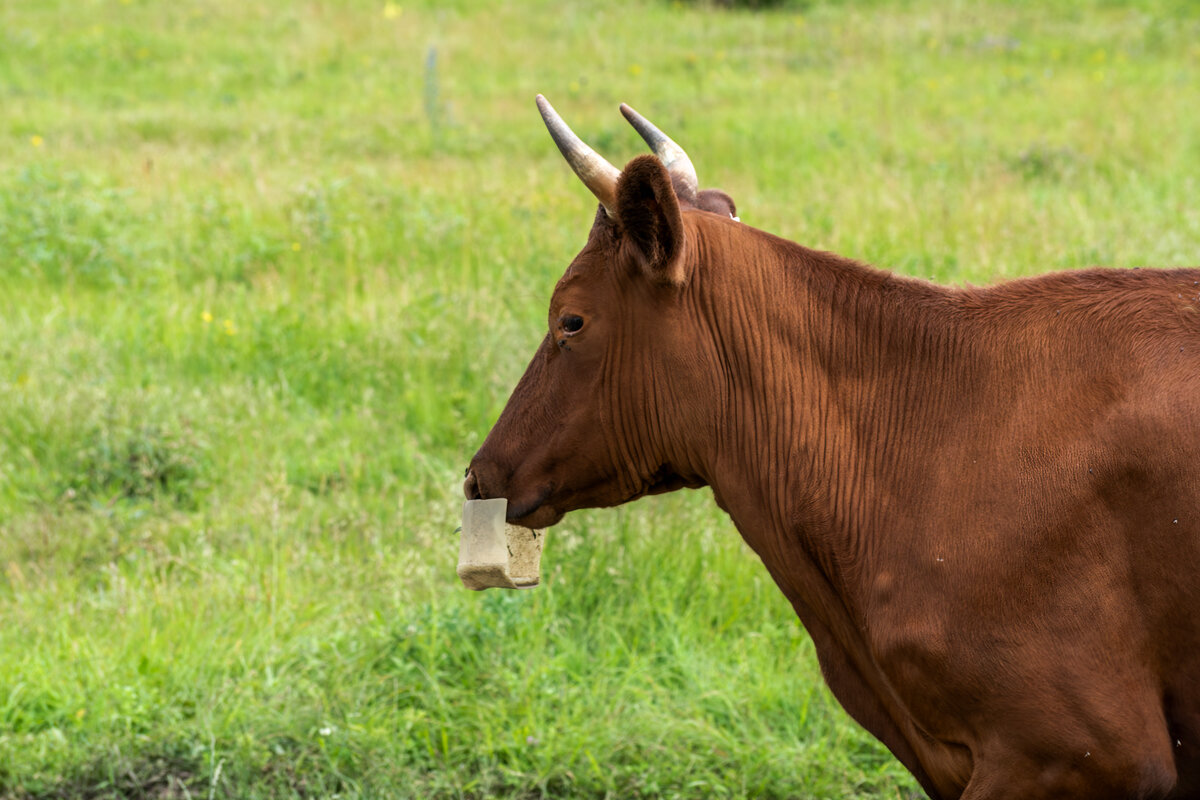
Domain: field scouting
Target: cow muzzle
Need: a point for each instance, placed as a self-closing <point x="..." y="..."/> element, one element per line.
<point x="527" y="508"/>
<point x="471" y="486"/>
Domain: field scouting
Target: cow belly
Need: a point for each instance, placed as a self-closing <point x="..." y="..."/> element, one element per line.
<point x="1078" y="734"/>
<point x="1112" y="743"/>
<point x="1055" y="697"/>
<point x="1016" y="776"/>
<point x="1183" y="720"/>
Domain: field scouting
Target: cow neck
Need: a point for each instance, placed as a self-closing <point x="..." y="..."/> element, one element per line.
<point x="838" y="382"/>
<point x="836" y="379"/>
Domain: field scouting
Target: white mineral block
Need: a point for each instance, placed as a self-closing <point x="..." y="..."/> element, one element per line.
<point x="493" y="553"/>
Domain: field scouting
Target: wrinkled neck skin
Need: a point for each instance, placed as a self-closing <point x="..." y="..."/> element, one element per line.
<point x="813" y="377"/>
<point x="817" y="456"/>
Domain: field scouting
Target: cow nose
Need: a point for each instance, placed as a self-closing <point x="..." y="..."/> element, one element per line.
<point x="471" y="486"/>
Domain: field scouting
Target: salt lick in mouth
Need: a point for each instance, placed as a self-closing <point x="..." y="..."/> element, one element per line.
<point x="983" y="503"/>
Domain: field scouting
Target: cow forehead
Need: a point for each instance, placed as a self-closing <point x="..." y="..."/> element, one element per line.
<point x="581" y="278"/>
<point x="589" y="266"/>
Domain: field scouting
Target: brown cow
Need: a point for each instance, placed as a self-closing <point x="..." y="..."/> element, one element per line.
<point x="984" y="504"/>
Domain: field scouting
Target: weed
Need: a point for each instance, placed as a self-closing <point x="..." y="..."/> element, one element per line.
<point x="145" y="463"/>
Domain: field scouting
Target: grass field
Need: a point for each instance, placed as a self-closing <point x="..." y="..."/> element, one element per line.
<point x="268" y="272"/>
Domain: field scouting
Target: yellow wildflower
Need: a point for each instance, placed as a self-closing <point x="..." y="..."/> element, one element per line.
<point x="296" y="246"/>
<point x="206" y="316"/>
<point x="36" y="140"/>
<point x="392" y="11"/>
<point x="230" y="329"/>
<point x="635" y="69"/>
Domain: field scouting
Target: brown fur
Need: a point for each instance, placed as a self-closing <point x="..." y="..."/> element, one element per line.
<point x="984" y="504"/>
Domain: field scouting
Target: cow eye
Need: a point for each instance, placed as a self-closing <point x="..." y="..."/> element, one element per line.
<point x="571" y="323"/>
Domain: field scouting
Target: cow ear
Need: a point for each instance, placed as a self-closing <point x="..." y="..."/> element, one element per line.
<point x="717" y="202"/>
<point x="650" y="219"/>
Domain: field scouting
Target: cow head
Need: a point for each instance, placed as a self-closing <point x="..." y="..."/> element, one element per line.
<point x="625" y="384"/>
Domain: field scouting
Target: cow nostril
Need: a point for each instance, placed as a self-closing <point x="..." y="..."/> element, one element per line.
<point x="471" y="486"/>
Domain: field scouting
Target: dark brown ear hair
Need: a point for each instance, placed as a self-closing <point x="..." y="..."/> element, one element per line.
<point x="650" y="219"/>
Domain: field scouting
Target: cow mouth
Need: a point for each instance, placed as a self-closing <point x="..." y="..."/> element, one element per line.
<point x="538" y="512"/>
<point x="532" y="513"/>
<point x="538" y="516"/>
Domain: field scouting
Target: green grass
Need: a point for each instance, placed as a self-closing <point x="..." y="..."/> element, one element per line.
<point x="268" y="272"/>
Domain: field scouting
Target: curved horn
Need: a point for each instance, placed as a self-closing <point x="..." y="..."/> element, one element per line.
<point x="676" y="161"/>
<point x="596" y="173"/>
